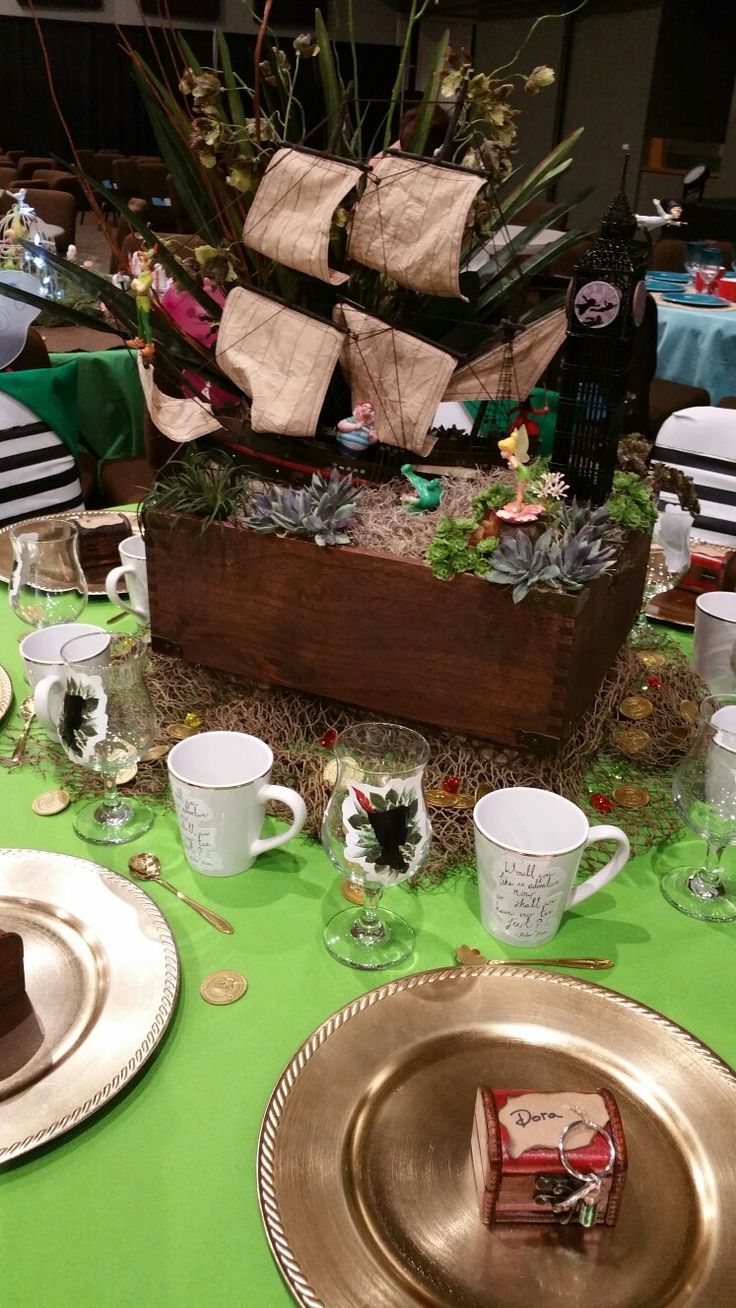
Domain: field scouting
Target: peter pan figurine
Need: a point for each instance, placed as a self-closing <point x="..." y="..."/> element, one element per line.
<point x="142" y="288"/>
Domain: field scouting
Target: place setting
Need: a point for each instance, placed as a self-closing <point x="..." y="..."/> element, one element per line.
<point x="368" y="662"/>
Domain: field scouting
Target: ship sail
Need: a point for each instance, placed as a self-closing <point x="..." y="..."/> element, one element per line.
<point x="180" y="419"/>
<point x="281" y="358"/>
<point x="410" y="222"/>
<point x="534" y="349"/>
<point x="403" y="376"/>
<point x="290" y="217"/>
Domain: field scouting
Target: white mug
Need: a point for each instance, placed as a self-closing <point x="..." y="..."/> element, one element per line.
<point x="715" y="636"/>
<point x="220" y="784"/>
<point x="528" y="846"/>
<point x="132" y="553"/>
<point x="41" y="654"/>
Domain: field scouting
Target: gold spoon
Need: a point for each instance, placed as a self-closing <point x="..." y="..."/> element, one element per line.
<point x="28" y="713"/>
<point x="469" y="957"/>
<point x="147" y="867"/>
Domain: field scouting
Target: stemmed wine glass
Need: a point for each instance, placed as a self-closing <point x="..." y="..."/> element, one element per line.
<point x="693" y="260"/>
<point x="376" y="831"/>
<point x="47" y="584"/>
<point x="704" y="791"/>
<point x="710" y="265"/>
<point x="103" y="713"/>
<point x="669" y="560"/>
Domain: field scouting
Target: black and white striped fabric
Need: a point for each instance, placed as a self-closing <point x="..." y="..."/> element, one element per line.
<point x="37" y="472"/>
<point x="702" y="442"/>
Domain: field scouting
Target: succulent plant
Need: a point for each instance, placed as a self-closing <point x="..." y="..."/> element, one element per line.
<point x="631" y="503"/>
<point x="324" y="511"/>
<point x="522" y="564"/>
<point x="580" y="558"/>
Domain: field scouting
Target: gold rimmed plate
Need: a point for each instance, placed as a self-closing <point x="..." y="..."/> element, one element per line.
<point x="102" y="979"/>
<point x="6" y="692"/>
<point x="95" y="570"/>
<point x="364" y="1175"/>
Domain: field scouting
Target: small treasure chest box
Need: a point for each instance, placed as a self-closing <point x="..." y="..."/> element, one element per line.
<point x="518" y="1168"/>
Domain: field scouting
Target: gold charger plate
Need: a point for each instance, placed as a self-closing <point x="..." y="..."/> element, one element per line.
<point x="6" y="692"/>
<point x="364" y="1174"/>
<point x="89" y="518"/>
<point x="102" y="978"/>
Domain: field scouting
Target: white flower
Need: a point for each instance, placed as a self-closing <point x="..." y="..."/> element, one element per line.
<point x="552" y="486"/>
<point x="540" y="76"/>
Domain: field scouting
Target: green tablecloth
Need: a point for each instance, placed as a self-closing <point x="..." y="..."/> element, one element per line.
<point x="110" y="402"/>
<point x="152" y="1204"/>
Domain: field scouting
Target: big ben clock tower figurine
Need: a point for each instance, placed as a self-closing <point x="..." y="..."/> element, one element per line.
<point x="605" y="305"/>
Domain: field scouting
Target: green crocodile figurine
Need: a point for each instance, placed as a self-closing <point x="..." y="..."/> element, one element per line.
<point x="427" y="492"/>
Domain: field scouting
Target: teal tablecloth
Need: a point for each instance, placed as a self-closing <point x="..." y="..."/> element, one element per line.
<point x="697" y="347"/>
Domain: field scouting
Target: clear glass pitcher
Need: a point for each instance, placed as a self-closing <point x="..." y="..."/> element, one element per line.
<point x="47" y="584"/>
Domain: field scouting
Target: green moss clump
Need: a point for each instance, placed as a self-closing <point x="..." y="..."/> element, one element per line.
<point x="631" y="503"/>
<point x="449" y="552"/>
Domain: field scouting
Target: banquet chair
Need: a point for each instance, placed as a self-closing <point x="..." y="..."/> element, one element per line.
<point x="59" y="208"/>
<point x="702" y="443"/>
<point x="15" y="155"/>
<point x="651" y="399"/>
<point x="726" y="249"/>
<point x="126" y="178"/>
<point x="61" y="181"/>
<point x="38" y="474"/>
<point x="8" y="179"/>
<point x="667" y="255"/>
<point x="155" y="191"/>
<point x="30" y="162"/>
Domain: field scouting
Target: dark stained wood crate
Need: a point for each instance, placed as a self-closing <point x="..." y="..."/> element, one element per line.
<point x="382" y="633"/>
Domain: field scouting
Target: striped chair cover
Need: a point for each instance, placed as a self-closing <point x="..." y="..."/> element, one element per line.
<point x="702" y="442"/>
<point x="37" y="472"/>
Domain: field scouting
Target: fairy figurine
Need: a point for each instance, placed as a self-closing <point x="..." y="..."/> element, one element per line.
<point x="142" y="288"/>
<point x="515" y="452"/>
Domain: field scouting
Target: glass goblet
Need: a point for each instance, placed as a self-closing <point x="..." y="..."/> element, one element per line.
<point x="704" y="791"/>
<point x="669" y="560"/>
<point x="47" y="584"/>
<point x="693" y="260"/>
<point x="376" y="831"/>
<point x="710" y="266"/>
<point x="103" y="713"/>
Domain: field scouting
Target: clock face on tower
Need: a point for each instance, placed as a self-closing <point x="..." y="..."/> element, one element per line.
<point x="597" y="304"/>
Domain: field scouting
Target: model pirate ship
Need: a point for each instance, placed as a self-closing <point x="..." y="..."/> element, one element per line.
<point x="326" y="282"/>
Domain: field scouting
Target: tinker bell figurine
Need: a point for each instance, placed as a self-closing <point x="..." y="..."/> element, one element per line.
<point x="515" y="451"/>
<point x="142" y="287"/>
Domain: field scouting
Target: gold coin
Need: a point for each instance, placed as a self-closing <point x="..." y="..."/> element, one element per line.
<point x="464" y="801"/>
<point x="126" y="774"/>
<point x="633" y="741"/>
<point x="689" y="710"/>
<point x="329" y="774"/>
<point x="223" y="987"/>
<point x="631" y="796"/>
<point x="352" y="892"/>
<point x="440" y="799"/>
<point x="651" y="658"/>
<point x="156" y="752"/>
<point x="635" y="707"/>
<point x="180" y="731"/>
<point x="50" y="802"/>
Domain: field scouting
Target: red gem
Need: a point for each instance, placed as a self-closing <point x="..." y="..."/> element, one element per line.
<point x="451" y="785"/>
<point x="654" y="683"/>
<point x="329" y="738"/>
<point x="601" y="802"/>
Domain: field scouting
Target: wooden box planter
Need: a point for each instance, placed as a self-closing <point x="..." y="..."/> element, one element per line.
<point x="382" y="633"/>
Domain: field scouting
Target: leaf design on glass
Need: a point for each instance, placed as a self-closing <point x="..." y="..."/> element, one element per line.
<point x="76" y="724"/>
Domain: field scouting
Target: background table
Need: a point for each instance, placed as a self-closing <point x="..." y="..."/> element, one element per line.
<point x="152" y="1204"/>
<point x="697" y="347"/>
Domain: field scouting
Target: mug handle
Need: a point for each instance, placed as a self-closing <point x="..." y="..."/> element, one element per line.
<point x="111" y="589"/>
<point x="611" y="869"/>
<point x="293" y="801"/>
<point x="42" y="702"/>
